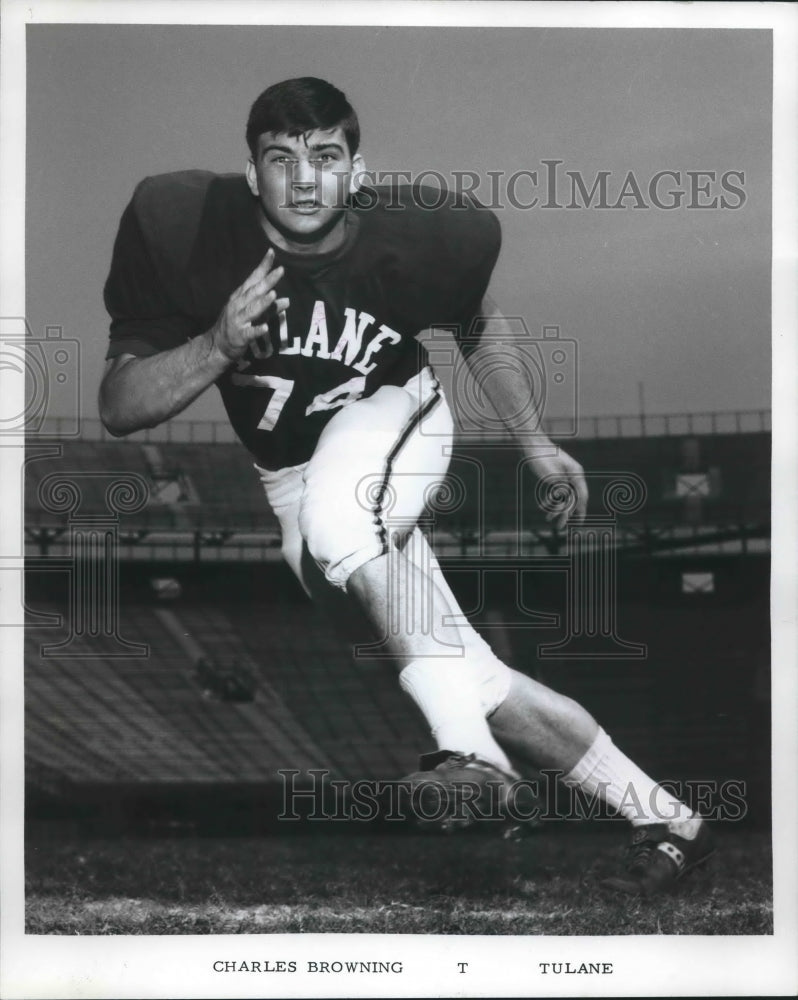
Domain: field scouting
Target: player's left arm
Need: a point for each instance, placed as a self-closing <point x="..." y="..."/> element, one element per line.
<point x="500" y="368"/>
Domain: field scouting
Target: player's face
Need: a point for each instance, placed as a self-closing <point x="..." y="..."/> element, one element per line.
<point x="302" y="183"/>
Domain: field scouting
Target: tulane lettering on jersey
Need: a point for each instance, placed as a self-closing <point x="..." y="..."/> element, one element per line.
<point x="352" y="347"/>
<point x="187" y="240"/>
<point x="288" y="389"/>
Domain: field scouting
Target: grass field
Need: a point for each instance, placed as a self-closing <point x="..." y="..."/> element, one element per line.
<point x="379" y="882"/>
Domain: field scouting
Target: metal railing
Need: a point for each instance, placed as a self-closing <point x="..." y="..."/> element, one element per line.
<point x="612" y="426"/>
<point x="669" y="424"/>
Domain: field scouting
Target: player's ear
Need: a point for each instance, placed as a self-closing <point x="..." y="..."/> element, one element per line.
<point x="252" y="176"/>
<point x="358" y="176"/>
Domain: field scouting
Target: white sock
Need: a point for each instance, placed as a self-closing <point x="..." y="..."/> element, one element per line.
<point x="622" y="785"/>
<point x="443" y="690"/>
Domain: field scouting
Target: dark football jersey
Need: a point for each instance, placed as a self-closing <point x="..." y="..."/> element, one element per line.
<point x="186" y="241"/>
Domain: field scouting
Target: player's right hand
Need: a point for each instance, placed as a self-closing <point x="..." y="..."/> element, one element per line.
<point x="234" y="330"/>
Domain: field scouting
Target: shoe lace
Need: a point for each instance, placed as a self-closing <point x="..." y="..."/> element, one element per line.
<point x="459" y="759"/>
<point x="640" y="852"/>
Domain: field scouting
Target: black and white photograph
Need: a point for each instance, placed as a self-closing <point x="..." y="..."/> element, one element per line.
<point x="397" y="448"/>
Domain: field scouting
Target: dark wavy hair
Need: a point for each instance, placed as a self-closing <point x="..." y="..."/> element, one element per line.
<point x="294" y="107"/>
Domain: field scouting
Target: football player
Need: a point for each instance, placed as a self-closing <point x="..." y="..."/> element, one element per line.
<point x="300" y="293"/>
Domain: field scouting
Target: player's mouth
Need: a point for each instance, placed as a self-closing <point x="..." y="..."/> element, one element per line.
<point x="305" y="207"/>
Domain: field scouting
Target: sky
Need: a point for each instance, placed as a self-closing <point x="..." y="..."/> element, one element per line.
<point x="676" y="299"/>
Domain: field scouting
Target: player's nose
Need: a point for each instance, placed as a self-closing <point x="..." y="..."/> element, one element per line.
<point x="304" y="174"/>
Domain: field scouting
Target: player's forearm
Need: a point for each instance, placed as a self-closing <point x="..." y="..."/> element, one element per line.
<point x="145" y="392"/>
<point x="503" y="367"/>
<point x="503" y="374"/>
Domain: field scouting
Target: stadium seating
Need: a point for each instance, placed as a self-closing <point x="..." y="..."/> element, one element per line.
<point x="95" y="718"/>
<point x="352" y="707"/>
<point x="99" y="717"/>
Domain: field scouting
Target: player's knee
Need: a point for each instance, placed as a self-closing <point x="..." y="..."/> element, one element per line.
<point x="338" y="547"/>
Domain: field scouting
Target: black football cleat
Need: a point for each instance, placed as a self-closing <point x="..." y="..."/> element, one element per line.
<point x="657" y="858"/>
<point x="452" y="791"/>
